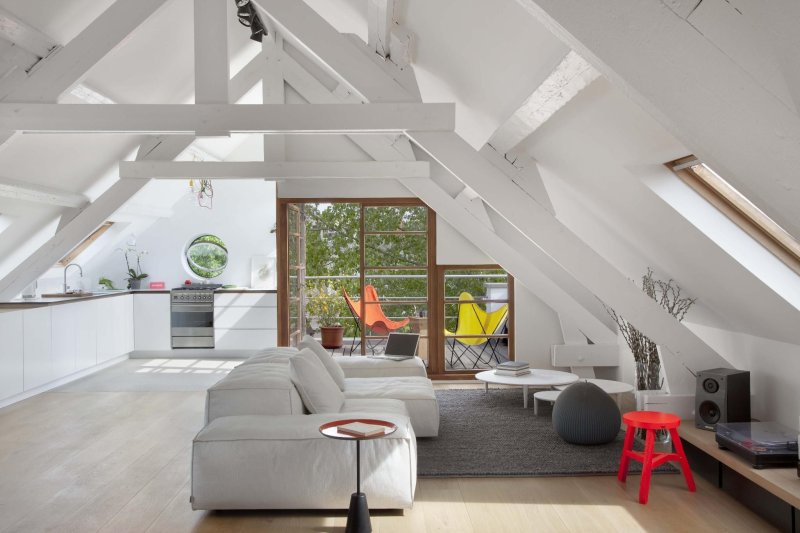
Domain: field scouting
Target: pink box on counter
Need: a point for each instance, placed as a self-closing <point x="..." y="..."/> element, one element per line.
<point x="157" y="285"/>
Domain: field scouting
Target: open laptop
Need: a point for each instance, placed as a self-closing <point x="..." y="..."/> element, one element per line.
<point x="400" y="346"/>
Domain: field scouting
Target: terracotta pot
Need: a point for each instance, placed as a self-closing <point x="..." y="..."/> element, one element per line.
<point x="332" y="337"/>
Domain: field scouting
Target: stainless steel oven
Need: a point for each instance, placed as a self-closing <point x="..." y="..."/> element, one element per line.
<point x="192" y="317"/>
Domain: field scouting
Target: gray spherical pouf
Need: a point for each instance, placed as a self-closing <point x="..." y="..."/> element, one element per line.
<point x="585" y="414"/>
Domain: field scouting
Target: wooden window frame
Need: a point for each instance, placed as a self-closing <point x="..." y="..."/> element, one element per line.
<point x="282" y="245"/>
<point x="739" y="210"/>
<point x="437" y="370"/>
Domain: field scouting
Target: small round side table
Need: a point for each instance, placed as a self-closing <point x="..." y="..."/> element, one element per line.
<point x="358" y="513"/>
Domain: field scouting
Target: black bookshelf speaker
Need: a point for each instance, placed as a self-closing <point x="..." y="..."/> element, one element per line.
<point x="723" y="395"/>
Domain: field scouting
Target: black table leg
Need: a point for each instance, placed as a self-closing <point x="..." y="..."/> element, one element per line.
<point x="358" y="514"/>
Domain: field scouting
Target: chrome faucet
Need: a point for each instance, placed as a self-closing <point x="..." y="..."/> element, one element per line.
<point x="65" y="274"/>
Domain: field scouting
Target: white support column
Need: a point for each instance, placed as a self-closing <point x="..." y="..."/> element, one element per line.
<point x="211" y="64"/>
<point x="379" y="25"/>
<point x="331" y="49"/>
<point x="273" y="91"/>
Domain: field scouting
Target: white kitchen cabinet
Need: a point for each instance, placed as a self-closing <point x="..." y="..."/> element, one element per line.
<point x="11" y="353"/>
<point x="86" y="336"/>
<point x="64" y="339"/>
<point x="114" y="327"/>
<point x="244" y="339"/>
<point x="37" y="345"/>
<point x="245" y="320"/>
<point x="245" y="299"/>
<point x="151" y="322"/>
<point x="245" y="317"/>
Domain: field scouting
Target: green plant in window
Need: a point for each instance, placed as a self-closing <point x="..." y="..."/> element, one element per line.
<point x="207" y="256"/>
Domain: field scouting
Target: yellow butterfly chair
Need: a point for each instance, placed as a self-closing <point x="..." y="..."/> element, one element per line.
<point x="472" y="320"/>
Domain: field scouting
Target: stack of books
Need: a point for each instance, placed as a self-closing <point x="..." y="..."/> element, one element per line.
<point x="359" y="429"/>
<point x="512" y="368"/>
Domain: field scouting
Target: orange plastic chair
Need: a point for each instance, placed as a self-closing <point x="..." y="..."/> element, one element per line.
<point x="374" y="318"/>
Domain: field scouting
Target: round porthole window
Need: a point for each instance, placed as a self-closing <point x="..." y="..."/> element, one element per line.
<point x="206" y="256"/>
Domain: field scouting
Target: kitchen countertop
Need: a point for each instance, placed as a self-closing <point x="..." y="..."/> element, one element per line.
<point x="21" y="303"/>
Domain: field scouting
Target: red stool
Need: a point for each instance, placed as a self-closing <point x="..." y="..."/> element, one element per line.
<point x="652" y="421"/>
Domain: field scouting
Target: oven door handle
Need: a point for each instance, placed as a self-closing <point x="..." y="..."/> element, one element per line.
<point x="192" y="308"/>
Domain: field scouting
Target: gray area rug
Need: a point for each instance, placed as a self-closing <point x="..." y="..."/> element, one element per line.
<point x="491" y="435"/>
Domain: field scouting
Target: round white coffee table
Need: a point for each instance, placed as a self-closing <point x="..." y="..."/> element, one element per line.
<point x="538" y="378"/>
<point x="613" y="388"/>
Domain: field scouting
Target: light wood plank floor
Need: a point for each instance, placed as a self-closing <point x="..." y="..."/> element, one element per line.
<point x="119" y="461"/>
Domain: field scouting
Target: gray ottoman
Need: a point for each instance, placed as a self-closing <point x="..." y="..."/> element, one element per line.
<point x="585" y="414"/>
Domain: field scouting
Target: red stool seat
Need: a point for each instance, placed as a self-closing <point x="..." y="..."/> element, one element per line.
<point x="652" y="421"/>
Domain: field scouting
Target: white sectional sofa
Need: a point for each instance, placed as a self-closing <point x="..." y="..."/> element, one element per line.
<point x="261" y="447"/>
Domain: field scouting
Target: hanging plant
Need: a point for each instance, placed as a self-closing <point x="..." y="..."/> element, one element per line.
<point x="203" y="191"/>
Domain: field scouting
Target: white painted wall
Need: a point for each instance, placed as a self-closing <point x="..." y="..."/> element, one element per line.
<point x="774" y="371"/>
<point x="242" y="216"/>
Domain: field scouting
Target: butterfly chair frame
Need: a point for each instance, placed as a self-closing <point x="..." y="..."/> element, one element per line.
<point x="375" y="321"/>
<point x="472" y="320"/>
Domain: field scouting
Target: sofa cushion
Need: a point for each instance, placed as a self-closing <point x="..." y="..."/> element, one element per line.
<point x="325" y="358"/>
<point x="374" y="367"/>
<point x="317" y="388"/>
<point x="415" y="392"/>
<point x="274" y="354"/>
<point x="254" y="389"/>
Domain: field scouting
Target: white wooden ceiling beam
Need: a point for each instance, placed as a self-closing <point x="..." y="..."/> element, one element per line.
<point x="294" y="19"/>
<point x="513" y="260"/>
<point x="211" y="63"/>
<point x="719" y="110"/>
<point x="61" y="70"/>
<point x="243" y="118"/>
<point x="575" y="256"/>
<point x="24" y="35"/>
<point x="538" y="274"/>
<point x="27" y="192"/>
<point x="273" y="170"/>
<point x="572" y="75"/>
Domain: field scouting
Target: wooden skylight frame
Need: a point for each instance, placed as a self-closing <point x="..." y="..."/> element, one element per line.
<point x="738" y="208"/>
<point x="84" y="244"/>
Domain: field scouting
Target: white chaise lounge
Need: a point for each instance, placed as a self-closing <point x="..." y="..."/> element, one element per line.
<point x="261" y="447"/>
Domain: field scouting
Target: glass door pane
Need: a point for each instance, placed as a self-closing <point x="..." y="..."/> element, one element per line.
<point x="477" y="314"/>
<point x="395" y="274"/>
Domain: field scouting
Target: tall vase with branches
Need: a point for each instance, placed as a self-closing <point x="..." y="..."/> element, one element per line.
<point x="645" y="352"/>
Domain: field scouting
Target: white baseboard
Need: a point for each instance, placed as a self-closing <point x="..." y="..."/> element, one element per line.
<point x="61" y="381"/>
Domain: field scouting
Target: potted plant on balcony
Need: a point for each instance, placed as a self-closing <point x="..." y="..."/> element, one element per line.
<point x="324" y="306"/>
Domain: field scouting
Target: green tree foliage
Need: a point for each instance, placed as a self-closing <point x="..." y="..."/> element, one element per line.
<point x="332" y="249"/>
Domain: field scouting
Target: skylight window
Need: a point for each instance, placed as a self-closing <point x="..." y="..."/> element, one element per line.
<point x="738" y="208"/>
